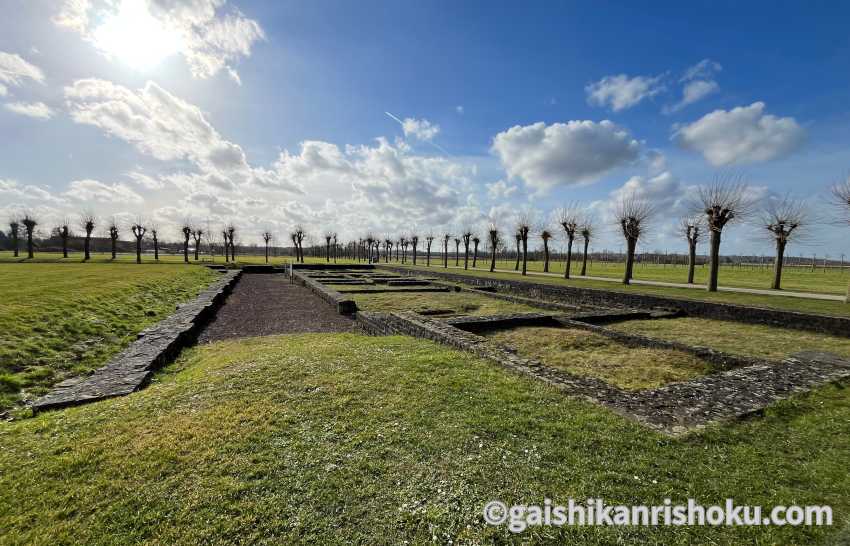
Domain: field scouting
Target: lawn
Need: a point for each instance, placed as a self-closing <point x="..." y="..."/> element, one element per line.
<point x="353" y="439"/>
<point x="59" y="320"/>
<point x="585" y="353"/>
<point x="453" y="303"/>
<point x="787" y="303"/>
<point x="732" y="337"/>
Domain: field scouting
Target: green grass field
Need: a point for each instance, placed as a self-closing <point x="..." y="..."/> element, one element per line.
<point x="339" y="439"/>
<point x="777" y="302"/>
<point x="65" y="319"/>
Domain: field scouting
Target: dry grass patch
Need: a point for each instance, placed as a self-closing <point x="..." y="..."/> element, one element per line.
<point x="588" y="354"/>
<point x="453" y="303"/>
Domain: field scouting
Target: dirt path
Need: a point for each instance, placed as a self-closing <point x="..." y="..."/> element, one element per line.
<point x="263" y="305"/>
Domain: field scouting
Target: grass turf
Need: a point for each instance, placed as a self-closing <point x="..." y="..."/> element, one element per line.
<point x="825" y="307"/>
<point x="454" y="303"/>
<point x="745" y="339"/>
<point x="65" y="319"/>
<point x="351" y="439"/>
<point x="588" y="354"/>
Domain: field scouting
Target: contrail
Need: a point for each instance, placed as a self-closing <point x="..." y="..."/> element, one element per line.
<point x="434" y="144"/>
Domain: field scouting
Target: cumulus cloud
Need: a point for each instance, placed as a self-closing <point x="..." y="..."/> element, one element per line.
<point x="421" y="129"/>
<point x="621" y="91"/>
<point x="564" y="154"/>
<point x="500" y="190"/>
<point x="37" y="110"/>
<point x="742" y="135"/>
<point x="698" y="82"/>
<point x="14" y="71"/>
<point x="95" y="191"/>
<point x="208" y="37"/>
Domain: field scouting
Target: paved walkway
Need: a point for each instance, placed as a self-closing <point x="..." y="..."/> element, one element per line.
<point x="759" y="291"/>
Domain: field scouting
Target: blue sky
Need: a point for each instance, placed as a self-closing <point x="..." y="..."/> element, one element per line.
<point x="267" y="113"/>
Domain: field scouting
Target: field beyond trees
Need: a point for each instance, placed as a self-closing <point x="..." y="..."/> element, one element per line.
<point x="61" y="320"/>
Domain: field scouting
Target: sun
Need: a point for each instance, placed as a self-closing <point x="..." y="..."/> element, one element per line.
<point x="136" y="37"/>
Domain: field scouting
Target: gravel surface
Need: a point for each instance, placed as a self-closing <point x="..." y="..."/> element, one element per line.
<point x="267" y="304"/>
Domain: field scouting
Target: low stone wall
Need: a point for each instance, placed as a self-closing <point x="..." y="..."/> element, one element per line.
<point x="155" y="347"/>
<point x="573" y="295"/>
<point x="343" y="304"/>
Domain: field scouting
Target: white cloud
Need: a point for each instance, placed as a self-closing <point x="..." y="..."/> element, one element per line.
<point x="500" y="190"/>
<point x="14" y="71"/>
<point x="95" y="191"/>
<point x="209" y="39"/>
<point x="3" y="90"/>
<point x="459" y="109"/>
<point x="698" y="83"/>
<point x="621" y="92"/>
<point x="37" y="110"/>
<point x="422" y="129"/>
<point x="742" y="135"/>
<point x="564" y="154"/>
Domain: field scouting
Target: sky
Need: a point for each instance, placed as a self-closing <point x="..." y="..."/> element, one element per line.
<point x="403" y="117"/>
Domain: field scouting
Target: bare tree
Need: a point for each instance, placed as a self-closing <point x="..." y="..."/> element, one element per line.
<point x="113" y="235"/>
<point x="493" y="233"/>
<point x="64" y="232"/>
<point x="518" y="237"/>
<point x="587" y="232"/>
<point x="154" y="229"/>
<point x="414" y="241"/>
<point x="476" y="240"/>
<point x="87" y="222"/>
<point x="336" y="247"/>
<point x="210" y="237"/>
<point x="370" y="240"/>
<point x="632" y="215"/>
<point x="139" y="232"/>
<point x="328" y="236"/>
<point x="388" y="249"/>
<point x="429" y="239"/>
<point x="197" y="235"/>
<point x="785" y="219"/>
<point x="29" y="223"/>
<point x="545" y="235"/>
<point x="569" y="218"/>
<point x="723" y="202"/>
<point x="267" y="237"/>
<point x="524" y="223"/>
<point x="841" y="199"/>
<point x="457" y="251"/>
<point x="691" y="230"/>
<point x="467" y="235"/>
<point x="14" y="234"/>
<point x="446" y="239"/>
<point x="231" y="236"/>
<point x="187" y="233"/>
<point x="402" y="243"/>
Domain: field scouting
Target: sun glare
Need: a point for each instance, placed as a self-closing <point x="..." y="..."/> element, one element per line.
<point x="135" y="37"/>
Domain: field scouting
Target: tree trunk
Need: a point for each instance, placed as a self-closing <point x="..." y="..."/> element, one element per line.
<point x="87" y="248"/>
<point x="186" y="250"/>
<point x="777" y="265"/>
<point x="414" y="253"/>
<point x="546" y="255"/>
<point x="631" y="243"/>
<point x="457" y="254"/>
<point x="267" y="253"/>
<point x="516" y="266"/>
<point x="466" y="254"/>
<point x="446" y="254"/>
<point x="155" y="249"/>
<point x="30" y="252"/>
<point x="714" y="260"/>
<point x="474" y="254"/>
<point x="197" y="249"/>
<point x="524" y="254"/>
<point x="692" y="260"/>
<point x="138" y="250"/>
<point x="493" y="260"/>
<point x="569" y="256"/>
<point x="584" y="258"/>
<point x="428" y="255"/>
<point x="113" y="249"/>
<point x="15" y="244"/>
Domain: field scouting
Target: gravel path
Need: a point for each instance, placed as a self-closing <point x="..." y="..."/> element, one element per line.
<point x="267" y="304"/>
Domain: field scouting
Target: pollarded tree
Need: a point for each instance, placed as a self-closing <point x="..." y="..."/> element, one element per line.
<point x="64" y="233"/>
<point x="429" y="239"/>
<point x="841" y="198"/>
<point x="569" y="218"/>
<point x="633" y="215"/>
<point x="113" y="236"/>
<point x="723" y="202"/>
<point x="523" y="227"/>
<point x="328" y="236"/>
<point x="29" y="223"/>
<point x="545" y="235"/>
<point x="197" y="235"/>
<point x="467" y="236"/>
<point x="476" y="240"/>
<point x="155" y="238"/>
<point x="518" y="237"/>
<point x="300" y="234"/>
<point x="402" y="245"/>
<point x="446" y="238"/>
<point x="691" y="230"/>
<point x="267" y="237"/>
<point x="231" y="237"/>
<point x="457" y="251"/>
<point x="414" y="241"/>
<point x="587" y="232"/>
<point x="14" y="234"/>
<point x="336" y="245"/>
<point x="388" y="249"/>
<point x="493" y="234"/>
<point x="370" y="240"/>
<point x="139" y="231"/>
<point x="786" y="220"/>
<point x="87" y="222"/>
<point x="187" y="234"/>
